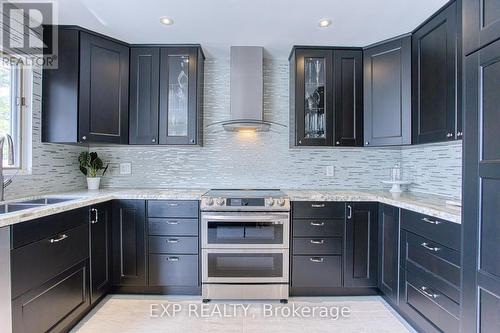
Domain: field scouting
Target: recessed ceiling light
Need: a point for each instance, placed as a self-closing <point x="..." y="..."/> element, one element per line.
<point x="324" y="23"/>
<point x="166" y="21"/>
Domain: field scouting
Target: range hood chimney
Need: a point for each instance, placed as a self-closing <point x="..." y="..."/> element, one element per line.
<point x="247" y="85"/>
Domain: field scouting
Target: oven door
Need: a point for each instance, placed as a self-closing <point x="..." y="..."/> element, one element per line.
<point x="245" y="266"/>
<point x="244" y="229"/>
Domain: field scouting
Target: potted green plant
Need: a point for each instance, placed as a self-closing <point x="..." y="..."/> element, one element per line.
<point x="93" y="168"/>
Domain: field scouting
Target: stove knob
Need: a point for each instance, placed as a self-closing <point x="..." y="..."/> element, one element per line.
<point x="209" y="201"/>
<point x="281" y="202"/>
<point x="219" y="201"/>
<point x="270" y="202"/>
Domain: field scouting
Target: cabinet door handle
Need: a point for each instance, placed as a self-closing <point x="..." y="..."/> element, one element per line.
<point x="172" y="222"/>
<point x="318" y="205"/>
<point x="425" y="219"/>
<point x="58" y="239"/>
<point x="173" y="258"/>
<point x="349" y="215"/>
<point x="427" y="292"/>
<point x="317" y="260"/>
<point x="96" y="216"/>
<point x="172" y="240"/>
<point x="430" y="248"/>
<point x="316" y="224"/>
<point x="317" y="241"/>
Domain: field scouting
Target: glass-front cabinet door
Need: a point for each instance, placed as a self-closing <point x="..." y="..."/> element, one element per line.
<point x="178" y="96"/>
<point x="313" y="98"/>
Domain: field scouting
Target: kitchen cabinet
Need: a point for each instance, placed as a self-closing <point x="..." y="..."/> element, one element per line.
<point x="129" y="243"/>
<point x="387" y="93"/>
<point x="85" y="99"/>
<point x="100" y="251"/>
<point x="481" y="251"/>
<point x="166" y="91"/>
<point x="388" y="249"/>
<point x="326" y="98"/>
<point x="436" y="76"/>
<point x="361" y="245"/>
<point x="481" y="23"/>
<point x="144" y="95"/>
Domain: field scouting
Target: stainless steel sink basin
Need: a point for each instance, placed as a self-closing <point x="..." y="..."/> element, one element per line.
<point x="9" y="208"/>
<point x="21" y="205"/>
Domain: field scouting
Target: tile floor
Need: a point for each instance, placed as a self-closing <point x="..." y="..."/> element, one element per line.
<point x="138" y="314"/>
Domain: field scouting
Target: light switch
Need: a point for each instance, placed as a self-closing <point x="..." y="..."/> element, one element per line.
<point x="125" y="168"/>
<point x="330" y="170"/>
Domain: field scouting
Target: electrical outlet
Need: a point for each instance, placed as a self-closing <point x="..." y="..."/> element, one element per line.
<point x="125" y="168"/>
<point x="330" y="171"/>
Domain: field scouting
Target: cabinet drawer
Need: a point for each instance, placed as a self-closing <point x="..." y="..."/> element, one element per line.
<point x="173" y="227"/>
<point x="169" y="270"/>
<point x="437" y="230"/>
<point x="321" y="228"/>
<point x="317" y="246"/>
<point x="428" y="308"/>
<point x="319" y="209"/>
<point x="437" y="259"/>
<point x="167" y="244"/>
<point x="316" y="271"/>
<point x="38" y="262"/>
<point x="54" y="305"/>
<point x="173" y="209"/>
<point x="35" y="230"/>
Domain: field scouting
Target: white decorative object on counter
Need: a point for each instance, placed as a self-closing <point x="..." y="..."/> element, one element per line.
<point x="396" y="185"/>
<point x="93" y="183"/>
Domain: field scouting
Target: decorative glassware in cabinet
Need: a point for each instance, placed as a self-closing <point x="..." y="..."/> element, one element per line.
<point x="314" y="99"/>
<point x="178" y="80"/>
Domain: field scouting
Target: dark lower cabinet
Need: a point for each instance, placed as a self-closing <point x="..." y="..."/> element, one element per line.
<point x="100" y="251"/>
<point x="481" y="23"/>
<point x="361" y="245"/>
<point x="129" y="243"/>
<point x="436" y="69"/>
<point x="54" y="306"/>
<point x="481" y="195"/>
<point x="388" y="250"/>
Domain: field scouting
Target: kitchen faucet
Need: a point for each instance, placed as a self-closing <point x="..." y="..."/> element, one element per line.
<point x="4" y="184"/>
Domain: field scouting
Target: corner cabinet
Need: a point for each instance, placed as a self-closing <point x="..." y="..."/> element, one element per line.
<point x="481" y="23"/>
<point x="436" y="74"/>
<point x="85" y="98"/>
<point x="387" y="93"/>
<point x="166" y="89"/>
<point x="326" y="98"/>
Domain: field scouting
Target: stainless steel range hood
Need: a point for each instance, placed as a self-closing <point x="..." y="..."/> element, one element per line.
<point x="247" y="81"/>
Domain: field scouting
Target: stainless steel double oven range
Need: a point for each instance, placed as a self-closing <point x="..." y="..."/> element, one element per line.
<point x="245" y="244"/>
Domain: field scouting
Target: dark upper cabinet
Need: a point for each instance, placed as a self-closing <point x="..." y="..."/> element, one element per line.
<point x="85" y="99"/>
<point x="129" y="243"/>
<point x="181" y="79"/>
<point x="387" y="93"/>
<point x="144" y="95"/>
<point x="481" y="23"/>
<point x="481" y="195"/>
<point x="361" y="245"/>
<point x="100" y="251"/>
<point x="436" y="75"/>
<point x="326" y="97"/>
<point x="348" y="97"/>
<point x="388" y="249"/>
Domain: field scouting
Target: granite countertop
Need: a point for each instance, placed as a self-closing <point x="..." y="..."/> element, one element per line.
<point x="423" y="203"/>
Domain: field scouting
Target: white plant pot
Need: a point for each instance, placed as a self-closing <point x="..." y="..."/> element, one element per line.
<point x="93" y="183"/>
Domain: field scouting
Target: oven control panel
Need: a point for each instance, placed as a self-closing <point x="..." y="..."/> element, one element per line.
<point x="241" y="204"/>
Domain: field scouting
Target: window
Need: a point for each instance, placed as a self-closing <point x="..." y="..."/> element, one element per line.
<point x="12" y="104"/>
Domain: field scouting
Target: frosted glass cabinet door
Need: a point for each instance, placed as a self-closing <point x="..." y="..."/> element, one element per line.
<point x="178" y="92"/>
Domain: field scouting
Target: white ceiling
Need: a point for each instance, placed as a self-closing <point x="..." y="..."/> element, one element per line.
<point x="274" y="24"/>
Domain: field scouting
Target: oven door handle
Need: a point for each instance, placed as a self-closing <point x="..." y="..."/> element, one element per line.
<point x="255" y="218"/>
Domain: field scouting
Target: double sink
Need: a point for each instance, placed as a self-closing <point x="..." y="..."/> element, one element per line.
<point x="27" y="204"/>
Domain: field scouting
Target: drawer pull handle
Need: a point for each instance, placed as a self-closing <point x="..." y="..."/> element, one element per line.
<point x="425" y="219"/>
<point x="173" y="222"/>
<point x="427" y="292"/>
<point x="430" y="248"/>
<point x="172" y="240"/>
<point x="318" y="205"/>
<point x="317" y="241"/>
<point x="58" y="239"/>
<point x="316" y="224"/>
<point x="316" y="259"/>
<point x="173" y="258"/>
<point x="173" y="204"/>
